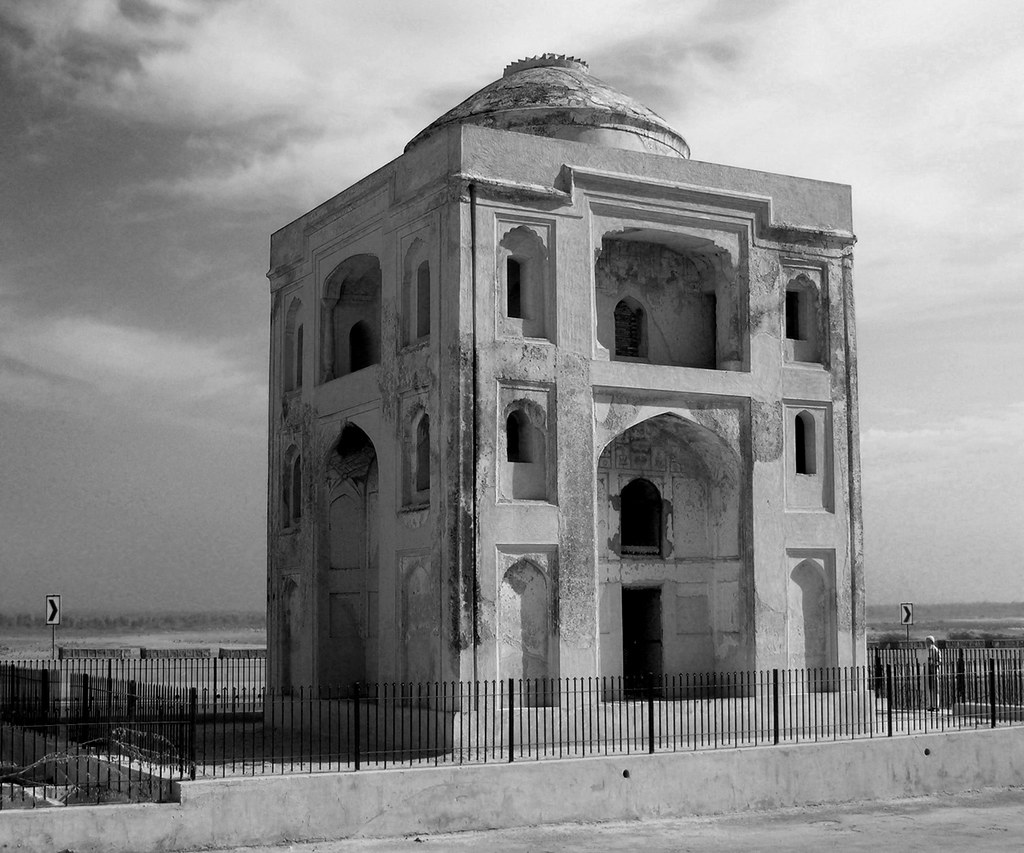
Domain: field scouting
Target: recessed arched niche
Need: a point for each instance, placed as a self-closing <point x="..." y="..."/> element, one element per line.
<point x="294" y="338"/>
<point x="667" y="298"/>
<point x="524" y="294"/>
<point x="669" y="507"/>
<point x="524" y="447"/>
<point x="352" y="556"/>
<point x="350" y="317"/>
<point x="416" y="294"/>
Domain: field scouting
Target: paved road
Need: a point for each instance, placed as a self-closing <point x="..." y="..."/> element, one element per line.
<point x="976" y="822"/>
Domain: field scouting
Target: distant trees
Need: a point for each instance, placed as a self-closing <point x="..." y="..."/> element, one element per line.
<point x="135" y="622"/>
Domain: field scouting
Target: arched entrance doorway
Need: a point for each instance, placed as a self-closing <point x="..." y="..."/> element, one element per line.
<point x="668" y="494"/>
<point x="350" y="653"/>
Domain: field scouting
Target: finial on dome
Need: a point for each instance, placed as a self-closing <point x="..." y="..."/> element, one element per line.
<point x="547" y="60"/>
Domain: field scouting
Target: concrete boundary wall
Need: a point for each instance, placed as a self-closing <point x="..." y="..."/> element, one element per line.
<point x="273" y="809"/>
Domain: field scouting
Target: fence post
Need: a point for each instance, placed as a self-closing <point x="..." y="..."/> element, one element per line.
<point x="992" y="688"/>
<point x="193" y="712"/>
<point x="511" y="719"/>
<point x="358" y="734"/>
<point x="650" y="713"/>
<point x="889" y="696"/>
<point x="775" y="706"/>
<point x="44" y="693"/>
<point x="110" y="688"/>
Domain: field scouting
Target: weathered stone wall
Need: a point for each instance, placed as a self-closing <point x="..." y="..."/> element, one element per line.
<point x="506" y="564"/>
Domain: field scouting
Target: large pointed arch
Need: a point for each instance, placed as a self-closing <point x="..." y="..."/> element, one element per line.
<point x="670" y="495"/>
<point x="353" y="565"/>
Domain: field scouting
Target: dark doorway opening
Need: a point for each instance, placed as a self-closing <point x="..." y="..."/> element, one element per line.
<point x="641" y="637"/>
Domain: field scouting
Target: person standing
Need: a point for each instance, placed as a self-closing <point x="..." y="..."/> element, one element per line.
<point x="934" y="666"/>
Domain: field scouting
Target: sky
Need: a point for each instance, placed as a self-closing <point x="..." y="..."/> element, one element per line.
<point x="148" y="148"/>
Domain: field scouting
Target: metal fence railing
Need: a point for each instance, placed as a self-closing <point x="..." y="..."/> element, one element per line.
<point x="231" y="679"/>
<point x="88" y="736"/>
<point x="76" y="751"/>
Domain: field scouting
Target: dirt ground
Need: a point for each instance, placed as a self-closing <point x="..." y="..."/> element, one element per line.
<point x="990" y="820"/>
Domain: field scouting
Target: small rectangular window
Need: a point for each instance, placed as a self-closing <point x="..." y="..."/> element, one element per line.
<point x="423" y="300"/>
<point x="793" y="315"/>
<point x="513" y="284"/>
<point x="423" y="454"/>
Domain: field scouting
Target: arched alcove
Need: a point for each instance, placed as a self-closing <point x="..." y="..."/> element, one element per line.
<point x="667" y="298"/>
<point x="351" y="297"/>
<point x="524" y="470"/>
<point x="420" y="621"/>
<point x="293" y="342"/>
<point x="811" y="617"/>
<point x="669" y="554"/>
<point x="801" y="319"/>
<point x="524" y="622"/>
<point x="415" y="318"/>
<point x="524" y="278"/>
<point x="353" y="559"/>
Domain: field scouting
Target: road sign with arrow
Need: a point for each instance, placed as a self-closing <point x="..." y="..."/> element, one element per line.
<point x="53" y="610"/>
<point x="906" y="613"/>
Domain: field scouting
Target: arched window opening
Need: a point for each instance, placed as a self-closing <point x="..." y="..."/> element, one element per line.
<point x="640" y="518"/>
<point x="360" y="347"/>
<point x="296" y="489"/>
<point x="629" y="330"/>
<point x="794" y="331"/>
<point x="423" y="300"/>
<point x="291" y="368"/>
<point x="291" y="488"/>
<point x="423" y="454"/>
<point x="518" y="443"/>
<point x="804" y="444"/>
<point x="513" y="284"/>
<point x="351" y="297"/>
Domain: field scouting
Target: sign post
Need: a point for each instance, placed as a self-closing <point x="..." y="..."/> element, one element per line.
<point x="53" y="620"/>
<point x="907" y="615"/>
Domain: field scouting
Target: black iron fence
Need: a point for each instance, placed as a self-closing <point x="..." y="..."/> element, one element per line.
<point x="230" y="681"/>
<point x="92" y="748"/>
<point x="86" y="736"/>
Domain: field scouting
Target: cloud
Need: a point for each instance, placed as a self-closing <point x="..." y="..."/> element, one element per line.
<point x="84" y="363"/>
<point x="989" y="439"/>
<point x="276" y="95"/>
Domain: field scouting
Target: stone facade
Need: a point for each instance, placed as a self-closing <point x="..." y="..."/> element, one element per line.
<point x="548" y="398"/>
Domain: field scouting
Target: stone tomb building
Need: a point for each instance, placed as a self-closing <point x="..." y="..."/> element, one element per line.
<point x="549" y="398"/>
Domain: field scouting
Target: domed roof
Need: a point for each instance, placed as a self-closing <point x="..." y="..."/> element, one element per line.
<point x="554" y="95"/>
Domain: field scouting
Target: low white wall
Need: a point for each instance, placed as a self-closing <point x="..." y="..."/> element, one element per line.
<point x="265" y="810"/>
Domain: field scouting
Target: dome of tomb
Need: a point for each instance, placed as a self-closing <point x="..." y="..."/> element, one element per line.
<point x="555" y="95"/>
